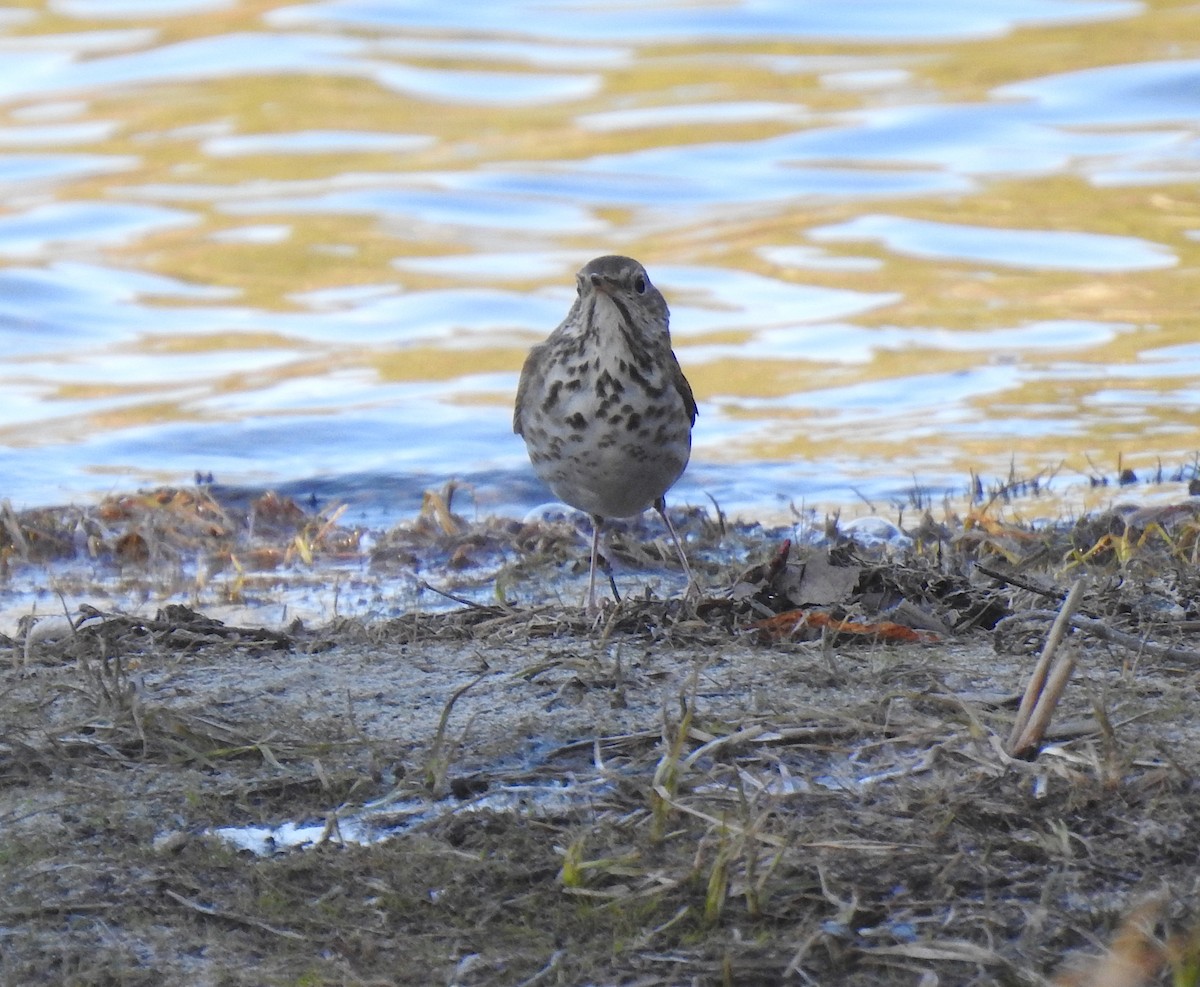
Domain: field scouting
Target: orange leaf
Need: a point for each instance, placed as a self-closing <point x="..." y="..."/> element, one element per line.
<point x="792" y="623"/>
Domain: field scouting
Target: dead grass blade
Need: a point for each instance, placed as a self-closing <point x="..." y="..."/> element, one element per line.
<point x="954" y="950"/>
<point x="437" y="764"/>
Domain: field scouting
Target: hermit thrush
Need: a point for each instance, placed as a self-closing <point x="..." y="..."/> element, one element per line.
<point x="604" y="409"/>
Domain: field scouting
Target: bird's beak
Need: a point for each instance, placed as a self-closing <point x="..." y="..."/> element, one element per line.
<point x="602" y="285"/>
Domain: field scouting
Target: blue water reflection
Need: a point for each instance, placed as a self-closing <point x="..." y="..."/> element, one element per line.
<point x="873" y="20"/>
<point x="262" y="54"/>
<point x="1052" y="249"/>
<point x="468" y="209"/>
<point x="690" y="176"/>
<point x="1150" y="92"/>
<point x="39" y="229"/>
<point x="44" y="309"/>
<point x="29" y="168"/>
<point x="220" y="56"/>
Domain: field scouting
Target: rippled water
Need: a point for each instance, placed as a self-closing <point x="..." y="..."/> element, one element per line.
<point x="308" y="245"/>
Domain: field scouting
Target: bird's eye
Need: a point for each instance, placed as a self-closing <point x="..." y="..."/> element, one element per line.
<point x="639" y="285"/>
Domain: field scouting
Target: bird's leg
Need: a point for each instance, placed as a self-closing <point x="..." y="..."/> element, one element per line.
<point x="597" y="521"/>
<point x="612" y="580"/>
<point x="660" y="505"/>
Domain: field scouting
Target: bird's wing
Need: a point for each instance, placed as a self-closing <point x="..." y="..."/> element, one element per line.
<point x="531" y="371"/>
<point x="684" y="389"/>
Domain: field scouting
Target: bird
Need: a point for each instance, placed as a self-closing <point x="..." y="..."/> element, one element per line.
<point x="603" y="406"/>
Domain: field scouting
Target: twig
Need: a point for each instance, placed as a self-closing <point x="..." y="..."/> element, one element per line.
<point x="1043" y="693"/>
<point x="1098" y="627"/>
<point x="451" y="596"/>
<point x="253" y="923"/>
<point x="730" y="739"/>
<point x="1015" y="580"/>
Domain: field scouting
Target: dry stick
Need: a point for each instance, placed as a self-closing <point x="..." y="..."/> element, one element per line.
<point x="1125" y="640"/>
<point x="1035" y="698"/>
<point x="1035" y="729"/>
<point x="424" y="584"/>
<point x="245" y="920"/>
<point x="1015" y="580"/>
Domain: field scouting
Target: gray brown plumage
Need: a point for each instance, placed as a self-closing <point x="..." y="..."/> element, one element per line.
<point x="603" y="406"/>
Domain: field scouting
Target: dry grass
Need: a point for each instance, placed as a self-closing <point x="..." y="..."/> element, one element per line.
<point x="660" y="795"/>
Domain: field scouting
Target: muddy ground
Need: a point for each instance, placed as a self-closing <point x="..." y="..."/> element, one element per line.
<point x="501" y="789"/>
